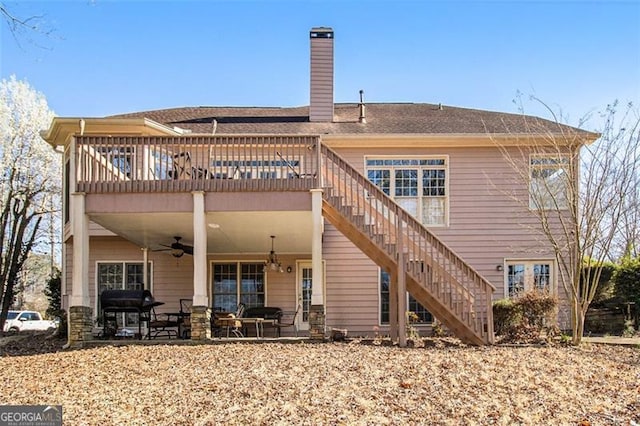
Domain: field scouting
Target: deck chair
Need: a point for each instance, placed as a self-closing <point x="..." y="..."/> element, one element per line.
<point x="290" y="321"/>
<point x="181" y="166"/>
<point x="163" y="325"/>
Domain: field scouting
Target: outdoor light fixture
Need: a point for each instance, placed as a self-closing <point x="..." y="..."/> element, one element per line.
<point x="272" y="263"/>
<point x="177" y="252"/>
<point x="499" y="268"/>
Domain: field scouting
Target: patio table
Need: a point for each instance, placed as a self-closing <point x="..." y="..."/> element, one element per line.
<point x="230" y="322"/>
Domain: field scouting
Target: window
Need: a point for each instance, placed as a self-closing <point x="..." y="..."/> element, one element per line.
<point x="418" y="185"/>
<point x="121" y="276"/>
<point x="522" y="276"/>
<point x="548" y="182"/>
<point x="412" y="304"/>
<point x="235" y="283"/>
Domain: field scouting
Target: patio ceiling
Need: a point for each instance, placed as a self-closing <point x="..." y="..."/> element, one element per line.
<point x="227" y="232"/>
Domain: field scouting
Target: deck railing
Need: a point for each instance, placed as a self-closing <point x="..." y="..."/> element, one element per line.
<point x="456" y="288"/>
<point x="191" y="163"/>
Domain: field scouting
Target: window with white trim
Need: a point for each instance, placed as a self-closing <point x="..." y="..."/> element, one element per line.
<point x="413" y="305"/>
<point x="237" y="282"/>
<point x="419" y="185"/>
<point x="522" y="276"/>
<point x="549" y="182"/>
<point x="121" y="276"/>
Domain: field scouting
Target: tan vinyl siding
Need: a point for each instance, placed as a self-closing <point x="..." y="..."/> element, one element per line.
<point x="486" y="226"/>
<point x="351" y="284"/>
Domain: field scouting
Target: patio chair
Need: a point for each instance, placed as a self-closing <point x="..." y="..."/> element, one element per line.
<point x="224" y="328"/>
<point x="182" y="168"/>
<point x="290" y="322"/>
<point x="163" y="325"/>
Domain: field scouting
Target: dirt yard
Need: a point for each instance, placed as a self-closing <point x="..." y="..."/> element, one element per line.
<point x="442" y="382"/>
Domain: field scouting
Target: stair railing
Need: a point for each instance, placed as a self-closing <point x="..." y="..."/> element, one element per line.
<point x="428" y="261"/>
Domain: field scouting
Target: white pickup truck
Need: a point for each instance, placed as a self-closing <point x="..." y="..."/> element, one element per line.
<point x="27" y="320"/>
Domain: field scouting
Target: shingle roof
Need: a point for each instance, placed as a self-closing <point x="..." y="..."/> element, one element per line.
<point x="382" y="118"/>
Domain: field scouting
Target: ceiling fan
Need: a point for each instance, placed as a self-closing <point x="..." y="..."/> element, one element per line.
<point x="178" y="249"/>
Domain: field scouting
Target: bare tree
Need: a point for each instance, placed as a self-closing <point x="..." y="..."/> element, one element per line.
<point x="31" y="27"/>
<point x="628" y="238"/>
<point x="29" y="180"/>
<point x="579" y="194"/>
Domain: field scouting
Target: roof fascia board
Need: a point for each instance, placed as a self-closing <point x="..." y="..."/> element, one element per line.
<point x="63" y="128"/>
<point x="457" y="140"/>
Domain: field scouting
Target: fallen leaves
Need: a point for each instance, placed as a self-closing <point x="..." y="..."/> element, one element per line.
<point x="333" y="383"/>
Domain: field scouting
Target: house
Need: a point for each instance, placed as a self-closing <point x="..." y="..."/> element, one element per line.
<point x="363" y="211"/>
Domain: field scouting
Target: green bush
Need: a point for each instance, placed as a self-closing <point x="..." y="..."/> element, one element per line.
<point x="627" y="285"/>
<point x="627" y="280"/>
<point x="537" y="308"/>
<point x="606" y="288"/>
<point x="524" y="318"/>
<point x="505" y="315"/>
<point x="53" y="291"/>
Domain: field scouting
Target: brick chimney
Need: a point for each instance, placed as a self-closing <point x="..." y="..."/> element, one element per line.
<point x="321" y="102"/>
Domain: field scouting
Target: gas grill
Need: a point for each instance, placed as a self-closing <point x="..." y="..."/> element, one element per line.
<point x="139" y="302"/>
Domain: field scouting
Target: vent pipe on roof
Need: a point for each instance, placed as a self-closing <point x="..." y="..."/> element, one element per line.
<point x="215" y="126"/>
<point x="321" y="99"/>
<point x="440" y="108"/>
<point x="362" y="119"/>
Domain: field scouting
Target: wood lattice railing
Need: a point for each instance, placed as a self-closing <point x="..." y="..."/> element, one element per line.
<point x="195" y="163"/>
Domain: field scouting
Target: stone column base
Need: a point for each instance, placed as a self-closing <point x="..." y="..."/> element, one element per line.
<point x="80" y="325"/>
<point x="200" y="323"/>
<point x="316" y="322"/>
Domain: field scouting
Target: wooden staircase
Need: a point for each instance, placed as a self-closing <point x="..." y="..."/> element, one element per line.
<point x="435" y="276"/>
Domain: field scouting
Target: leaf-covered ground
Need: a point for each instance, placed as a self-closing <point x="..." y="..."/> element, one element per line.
<point x="332" y="383"/>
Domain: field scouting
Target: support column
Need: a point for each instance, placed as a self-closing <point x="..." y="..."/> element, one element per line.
<point x="402" y="297"/>
<point x="393" y="305"/>
<point x="317" y="311"/>
<point x="80" y="317"/>
<point x="145" y="270"/>
<point x="200" y="312"/>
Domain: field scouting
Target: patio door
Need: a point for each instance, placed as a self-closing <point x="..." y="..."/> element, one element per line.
<point x="304" y="286"/>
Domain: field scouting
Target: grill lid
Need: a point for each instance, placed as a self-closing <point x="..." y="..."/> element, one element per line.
<point x="115" y="299"/>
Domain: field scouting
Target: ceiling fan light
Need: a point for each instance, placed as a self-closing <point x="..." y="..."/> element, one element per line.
<point x="177" y="252"/>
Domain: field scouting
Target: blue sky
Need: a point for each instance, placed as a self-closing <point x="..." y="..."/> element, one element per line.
<point x="110" y="57"/>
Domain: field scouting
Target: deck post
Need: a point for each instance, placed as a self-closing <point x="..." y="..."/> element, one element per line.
<point x="200" y="312"/>
<point x="402" y="288"/>
<point x="200" y="297"/>
<point x="393" y="305"/>
<point x="317" y="323"/>
<point x="80" y="312"/>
